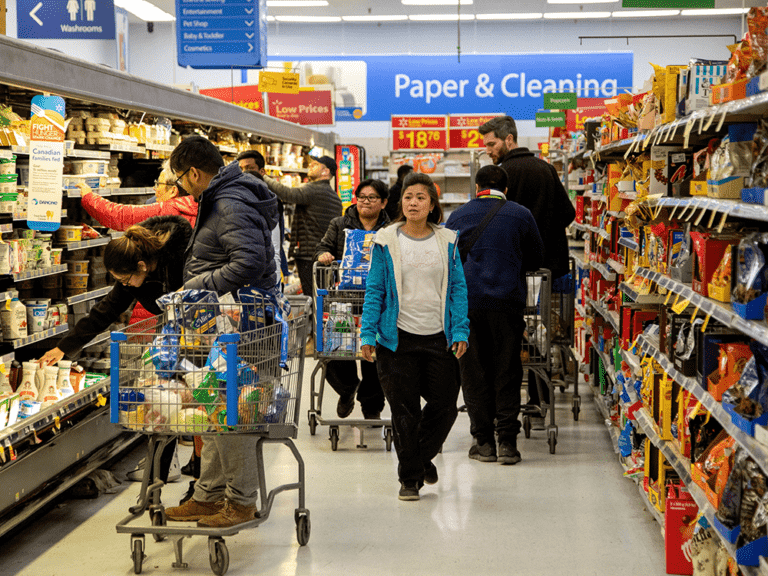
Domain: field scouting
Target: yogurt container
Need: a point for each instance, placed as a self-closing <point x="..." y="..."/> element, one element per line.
<point x="8" y="165"/>
<point x="8" y="183"/>
<point x="70" y="233"/>
<point x="8" y="202"/>
<point x="77" y="266"/>
<point x="96" y="167"/>
<point x="36" y="315"/>
<point x="56" y="256"/>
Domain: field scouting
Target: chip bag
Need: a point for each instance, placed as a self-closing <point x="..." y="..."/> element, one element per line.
<point x="356" y="261"/>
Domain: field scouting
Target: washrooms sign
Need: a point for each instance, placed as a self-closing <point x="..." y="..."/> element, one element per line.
<point x="66" y="19"/>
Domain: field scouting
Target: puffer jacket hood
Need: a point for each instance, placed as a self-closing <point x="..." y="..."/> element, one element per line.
<point x="231" y="183"/>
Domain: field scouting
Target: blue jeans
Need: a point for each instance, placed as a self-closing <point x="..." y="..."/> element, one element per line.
<point x="422" y="367"/>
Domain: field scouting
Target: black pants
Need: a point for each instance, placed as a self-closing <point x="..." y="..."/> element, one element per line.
<point x="342" y="376"/>
<point x="492" y="375"/>
<point x="304" y="268"/>
<point x="422" y="367"/>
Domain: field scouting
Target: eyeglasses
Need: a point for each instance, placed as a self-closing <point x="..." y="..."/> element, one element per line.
<point x="369" y="199"/>
<point x="178" y="183"/>
<point x="124" y="282"/>
<point x="159" y="183"/>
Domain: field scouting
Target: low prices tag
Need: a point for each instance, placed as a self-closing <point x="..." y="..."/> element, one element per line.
<point x="463" y="133"/>
<point x="419" y="133"/>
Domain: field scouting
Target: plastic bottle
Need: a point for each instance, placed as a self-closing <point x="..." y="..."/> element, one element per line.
<point x="5" y="384"/>
<point x="340" y="330"/>
<point x="329" y="335"/>
<point x="51" y="393"/>
<point x="27" y="390"/>
<point x="350" y="336"/>
<point x="63" y="380"/>
<point x="13" y="317"/>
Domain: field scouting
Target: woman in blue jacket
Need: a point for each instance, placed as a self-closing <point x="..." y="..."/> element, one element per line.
<point x="415" y="316"/>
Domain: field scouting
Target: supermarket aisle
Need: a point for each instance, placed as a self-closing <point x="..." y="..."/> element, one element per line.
<point x="564" y="514"/>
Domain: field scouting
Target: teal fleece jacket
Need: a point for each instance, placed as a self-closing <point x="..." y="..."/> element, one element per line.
<point x="382" y="293"/>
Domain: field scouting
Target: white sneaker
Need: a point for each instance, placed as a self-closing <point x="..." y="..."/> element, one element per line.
<point x="137" y="474"/>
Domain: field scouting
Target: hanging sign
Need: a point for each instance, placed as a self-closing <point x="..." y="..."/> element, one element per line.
<point x="560" y="101"/>
<point x="46" y="163"/>
<point x="550" y="119"/>
<point x="462" y="130"/>
<point x="308" y="108"/>
<point x="419" y="133"/>
<point x="66" y="19"/>
<point x="246" y="96"/>
<point x="278" y="82"/>
<point x="585" y="108"/>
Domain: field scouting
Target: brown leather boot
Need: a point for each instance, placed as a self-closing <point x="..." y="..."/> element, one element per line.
<point x="193" y="510"/>
<point x="230" y="515"/>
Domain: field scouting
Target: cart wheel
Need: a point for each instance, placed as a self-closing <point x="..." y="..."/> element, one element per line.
<point x="158" y="520"/>
<point x="219" y="556"/>
<point x="303" y="528"/>
<point x="334" y="438"/>
<point x="138" y="554"/>
<point x="312" y="424"/>
<point x="552" y="442"/>
<point x="576" y="409"/>
<point x="388" y="439"/>
<point x="527" y="425"/>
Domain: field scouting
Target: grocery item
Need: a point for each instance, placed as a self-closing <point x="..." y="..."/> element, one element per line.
<point x="70" y="234"/>
<point x="8" y="201"/>
<point x="8" y="165"/>
<point x="98" y="167"/>
<point x="56" y="256"/>
<point x="76" y="283"/>
<point x="63" y="381"/>
<point x="27" y="390"/>
<point x="36" y="314"/>
<point x="77" y="266"/>
<point x="51" y="393"/>
<point x="13" y="317"/>
<point x="8" y="183"/>
<point x="356" y="260"/>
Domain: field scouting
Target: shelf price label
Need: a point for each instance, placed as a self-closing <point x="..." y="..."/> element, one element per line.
<point x="419" y="133"/>
<point x="462" y="130"/>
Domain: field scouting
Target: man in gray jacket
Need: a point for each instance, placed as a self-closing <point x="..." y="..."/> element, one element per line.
<point x="316" y="205"/>
<point x="230" y="248"/>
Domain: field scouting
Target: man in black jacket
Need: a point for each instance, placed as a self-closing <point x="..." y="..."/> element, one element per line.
<point x="534" y="184"/>
<point x="316" y="205"/>
<point x="230" y="248"/>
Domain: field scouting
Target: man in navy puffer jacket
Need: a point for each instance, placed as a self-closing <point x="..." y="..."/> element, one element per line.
<point x="230" y="248"/>
<point x="495" y="267"/>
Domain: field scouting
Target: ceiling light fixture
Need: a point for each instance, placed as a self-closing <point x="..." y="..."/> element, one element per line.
<point x="715" y="12"/>
<point x="296" y="3"/>
<point x="308" y="19"/>
<point x="645" y="13"/>
<point x="440" y="17"/>
<point x="520" y="16"/>
<point x="387" y="18"/>
<point x="435" y="2"/>
<point x="575" y="15"/>
<point x="145" y="11"/>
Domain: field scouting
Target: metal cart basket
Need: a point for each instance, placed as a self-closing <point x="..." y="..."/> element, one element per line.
<point x="338" y="302"/>
<point x="210" y="369"/>
<point x="564" y="360"/>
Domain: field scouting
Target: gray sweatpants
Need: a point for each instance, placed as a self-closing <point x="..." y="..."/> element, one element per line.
<point x="228" y="468"/>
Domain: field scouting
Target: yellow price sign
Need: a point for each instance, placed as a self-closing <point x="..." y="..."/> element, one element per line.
<point x="278" y="82"/>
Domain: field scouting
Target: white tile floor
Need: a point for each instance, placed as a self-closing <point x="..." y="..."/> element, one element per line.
<point x="570" y="513"/>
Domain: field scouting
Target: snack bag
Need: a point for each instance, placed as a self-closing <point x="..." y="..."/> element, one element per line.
<point x="264" y="308"/>
<point x="165" y="350"/>
<point x="356" y="260"/>
<point x="194" y="310"/>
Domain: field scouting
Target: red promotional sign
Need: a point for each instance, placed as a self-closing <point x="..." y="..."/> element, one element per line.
<point x="310" y="108"/>
<point x="587" y="108"/>
<point x="419" y="133"/>
<point x="462" y="131"/>
<point x="245" y="96"/>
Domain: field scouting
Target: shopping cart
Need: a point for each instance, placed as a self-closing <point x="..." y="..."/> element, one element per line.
<point x="338" y="307"/>
<point x="536" y="351"/>
<point x="170" y="377"/>
<point x="565" y="367"/>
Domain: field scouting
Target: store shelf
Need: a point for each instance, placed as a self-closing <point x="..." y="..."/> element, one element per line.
<point x="579" y="187"/>
<point x="718" y="310"/>
<point x="92" y="295"/>
<point x="6" y="154"/>
<point x="24" y="219"/>
<point x="583" y="264"/>
<point x="627" y="243"/>
<point x="37" y="68"/>
<point x="580" y="309"/>
<point x="617" y="267"/>
<point x="86" y="243"/>
<point x="286" y="169"/>
<point x="604" y="271"/>
<point x="620" y="215"/>
<point x="75" y="192"/>
<point x="611" y="316"/>
<point x="632" y="361"/>
<point x="92" y="154"/>
<point x="755" y="449"/>
<point x="27" y="427"/>
<point x="599" y="231"/>
<point x="30" y="274"/>
<point x="228" y="150"/>
<point x="579" y="226"/>
<point x="131" y="191"/>
<point x="640" y="298"/>
<point x="733" y="208"/>
<point x="38" y="336"/>
<point x="167" y="148"/>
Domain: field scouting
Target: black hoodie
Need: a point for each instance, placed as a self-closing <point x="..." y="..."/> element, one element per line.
<point x="534" y="184"/>
<point x="231" y="246"/>
<point x="166" y="277"/>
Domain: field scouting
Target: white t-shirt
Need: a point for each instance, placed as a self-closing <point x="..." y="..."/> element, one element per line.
<point x="421" y="293"/>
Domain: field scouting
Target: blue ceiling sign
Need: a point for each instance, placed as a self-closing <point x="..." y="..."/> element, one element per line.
<point x="66" y="19"/>
<point x="221" y="33"/>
